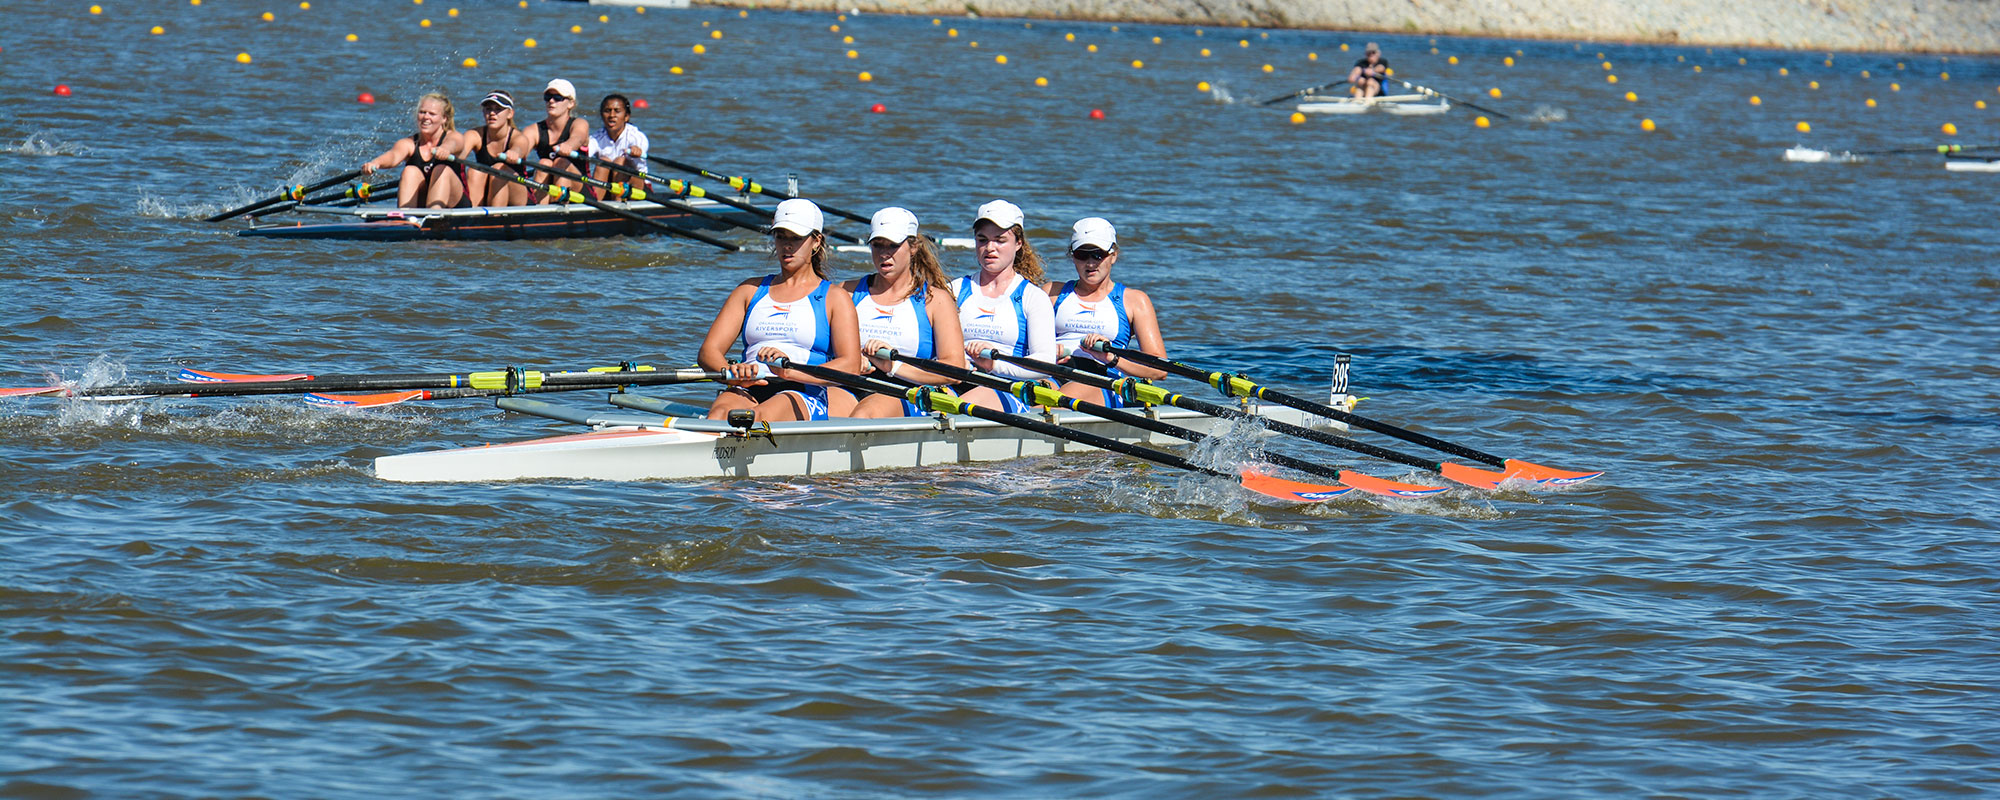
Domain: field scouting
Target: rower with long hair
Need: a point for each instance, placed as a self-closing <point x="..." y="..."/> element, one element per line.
<point x="903" y="305"/>
<point x="619" y="141"/>
<point x="1094" y="308"/>
<point x="798" y="314"/>
<point x="1003" y="306"/>
<point x="561" y="132"/>
<point x="425" y="181"/>
<point x="500" y="145"/>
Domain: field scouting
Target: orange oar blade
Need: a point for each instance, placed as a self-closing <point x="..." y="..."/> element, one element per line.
<point x="31" y="391"/>
<point x="1546" y="476"/>
<point x="1386" y="488"/>
<point x="1293" y="491"/>
<point x="205" y="376"/>
<point x="1472" y="476"/>
<point x="365" y="400"/>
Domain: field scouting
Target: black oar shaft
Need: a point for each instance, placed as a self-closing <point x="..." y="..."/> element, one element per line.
<point x="605" y="207"/>
<point x="1225" y="412"/>
<point x="1029" y="424"/>
<point x="352" y="195"/>
<point x="1305" y="91"/>
<point x="1466" y="103"/>
<point x="696" y="191"/>
<point x="499" y="380"/>
<point x="1236" y="385"/>
<point x="293" y="193"/>
<point x="747" y="184"/>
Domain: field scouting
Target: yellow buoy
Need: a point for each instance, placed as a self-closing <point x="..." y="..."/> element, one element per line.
<point x="242" y="58"/>
<point x="576" y="29"/>
<point x="1000" y="59"/>
<point x="1041" y="81"/>
<point x="470" y="61"/>
<point x="1829" y="62"/>
<point x="1756" y="101"/>
<point x="1494" y="92"/>
<point x="1243" y="43"/>
<point x="97" y="9"/>
<point x="1481" y="122"/>
<point x="1783" y="72"/>
<point x="829" y="28"/>
<point x="842" y="17"/>
<point x="1509" y="61"/>
<point x="699" y="49"/>
<point x="865" y="77"/>
<point x="1681" y="59"/>
<point x="1949" y="129"/>
<point x="1631" y="97"/>
<point x="1647" y="125"/>
<point x="1803" y="127"/>
<point x="600" y="17"/>
<point x="1899" y="65"/>
<point x="1312" y="56"/>
<point x="1204" y="52"/>
<point x="744" y="14"/>
<point x="157" y="30"/>
<point x="1742" y="61"/>
<point x="1201" y="87"/>
<point x="1607" y="66"/>
<point x="1069" y="37"/>
<point x="853" y="54"/>
<point x="936" y="21"/>
<point x="1452" y="60"/>
<point x="676" y="70"/>
<point x="1610" y="79"/>
<point x="1092" y="48"/>
<point x="1979" y="104"/>
<point x="1895" y="87"/>
<point x="353" y="38"/>
<point x="640" y="10"/>
<point x="951" y="33"/>
<point x="1697" y="67"/>
<point x="1944" y="76"/>
<point x="847" y="40"/>
<point x="1156" y="40"/>
<point x="423" y="23"/>
<point x="529" y="43"/>
<point x="1434" y="51"/>
<point x="1343" y="48"/>
<point x="451" y="12"/>
<point x="715" y="34"/>
<point x="268" y="16"/>
<point x="1268" y="68"/>
<point x="1298" y="117"/>
<point x="305" y="6"/>
<point x="1137" y="64"/>
<point x="1871" y="102"/>
<point x="1864" y="74"/>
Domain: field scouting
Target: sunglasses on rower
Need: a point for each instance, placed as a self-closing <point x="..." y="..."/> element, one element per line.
<point x="1089" y="254"/>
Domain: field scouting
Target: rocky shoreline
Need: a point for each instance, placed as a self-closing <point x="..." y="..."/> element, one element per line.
<point x="1925" y="26"/>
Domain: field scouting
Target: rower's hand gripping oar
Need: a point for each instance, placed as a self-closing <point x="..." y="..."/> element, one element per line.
<point x="946" y="403"/>
<point x="292" y="193"/>
<point x="558" y="193"/>
<point x="747" y="185"/>
<point x="1305" y="91"/>
<point x="1138" y="391"/>
<point x="1240" y="386"/>
<point x="1037" y="393"/>
<point x="352" y="195"/>
<point x="510" y="380"/>
<point x="1429" y="92"/>
<point x="685" y="189"/>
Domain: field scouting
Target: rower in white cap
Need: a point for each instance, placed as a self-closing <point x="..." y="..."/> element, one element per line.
<point x="1094" y="308"/>
<point x="904" y="305"/>
<point x="561" y="132"/>
<point x="1003" y="305"/>
<point x="798" y="314"/>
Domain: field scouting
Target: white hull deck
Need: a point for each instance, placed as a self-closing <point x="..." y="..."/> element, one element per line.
<point x="1398" y="104"/>
<point x="1971" y="165"/>
<point x="631" y="447"/>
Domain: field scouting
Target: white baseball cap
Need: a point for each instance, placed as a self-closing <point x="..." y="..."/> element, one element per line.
<point x="799" y="216"/>
<point x="1093" y="232"/>
<point x="1001" y="213"/>
<point x="562" y="87"/>
<point x="894" y="223"/>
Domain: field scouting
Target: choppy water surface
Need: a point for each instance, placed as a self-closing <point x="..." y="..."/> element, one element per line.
<point x="1784" y="587"/>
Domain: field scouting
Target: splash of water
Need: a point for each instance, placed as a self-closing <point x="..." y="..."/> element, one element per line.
<point x="39" y="145"/>
<point x="1547" y="113"/>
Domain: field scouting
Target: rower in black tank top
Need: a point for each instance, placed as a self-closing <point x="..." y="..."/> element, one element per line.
<point x="543" y="147"/>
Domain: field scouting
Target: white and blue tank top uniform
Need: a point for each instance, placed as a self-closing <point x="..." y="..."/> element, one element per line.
<point x="904" y="325"/>
<point x="1076" y="319"/>
<point x="801" y="329"/>
<point x="1020" y="322"/>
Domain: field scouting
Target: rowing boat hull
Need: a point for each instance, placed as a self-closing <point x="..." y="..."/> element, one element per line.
<point x="633" y="447"/>
<point x="1407" y="105"/>
<point x="1971" y="165"/>
<point x="578" y="221"/>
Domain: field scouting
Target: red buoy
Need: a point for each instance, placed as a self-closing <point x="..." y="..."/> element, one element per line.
<point x="1097" y="113"/>
<point x="877" y="108"/>
<point x="62" y="90"/>
<point x="365" y="97"/>
<point x="640" y="103"/>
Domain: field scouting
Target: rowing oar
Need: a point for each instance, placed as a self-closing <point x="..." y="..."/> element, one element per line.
<point x="1138" y="391"/>
<point x="358" y="193"/>
<point x="555" y="192"/>
<point x="945" y="402"/>
<point x="292" y="193"/>
<point x="511" y="380"/>
<point x="1040" y="394"/>
<point x="745" y="184"/>
<point x="1429" y="92"/>
<point x="684" y="189"/>
<point x="1305" y="91"/>
<point x="1242" y="386"/>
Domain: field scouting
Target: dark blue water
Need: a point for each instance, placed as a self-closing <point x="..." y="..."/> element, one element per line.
<point x="1784" y="586"/>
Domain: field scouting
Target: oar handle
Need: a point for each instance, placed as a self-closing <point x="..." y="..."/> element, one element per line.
<point x="607" y="208"/>
<point x="1239" y="386"/>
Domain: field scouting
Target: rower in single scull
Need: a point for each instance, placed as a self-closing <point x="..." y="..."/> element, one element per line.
<point x="1365" y="79"/>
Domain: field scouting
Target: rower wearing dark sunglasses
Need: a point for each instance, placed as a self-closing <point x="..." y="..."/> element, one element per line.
<point x="1094" y="308"/>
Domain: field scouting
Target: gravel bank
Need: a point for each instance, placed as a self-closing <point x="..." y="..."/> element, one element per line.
<point x="1945" y="26"/>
